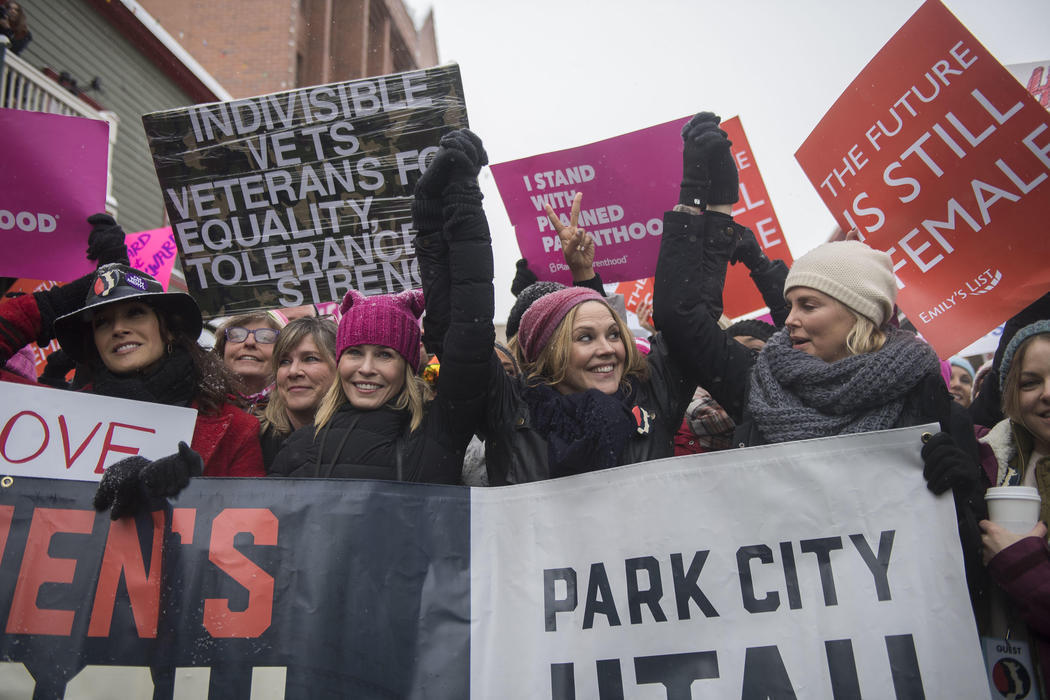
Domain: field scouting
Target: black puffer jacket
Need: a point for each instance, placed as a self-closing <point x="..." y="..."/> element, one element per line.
<point x="377" y="444"/>
<point x="515" y="452"/>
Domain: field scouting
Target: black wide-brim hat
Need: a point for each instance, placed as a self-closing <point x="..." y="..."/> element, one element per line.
<point x="116" y="282"/>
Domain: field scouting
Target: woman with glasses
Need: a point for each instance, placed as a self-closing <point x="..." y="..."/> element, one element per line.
<point x="245" y="344"/>
<point x="303" y="370"/>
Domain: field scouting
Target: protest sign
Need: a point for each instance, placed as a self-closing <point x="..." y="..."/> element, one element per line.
<point x="940" y="158"/>
<point x="1035" y="77"/>
<point x="57" y="434"/>
<point x="296" y="197"/>
<point x="632" y="582"/>
<point x="153" y="252"/>
<point x="627" y="183"/>
<point x="54" y="178"/>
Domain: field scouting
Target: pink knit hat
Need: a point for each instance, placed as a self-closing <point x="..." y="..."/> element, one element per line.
<point x="541" y="319"/>
<point x="387" y="319"/>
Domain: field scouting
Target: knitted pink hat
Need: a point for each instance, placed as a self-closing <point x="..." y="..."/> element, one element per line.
<point x="387" y="319"/>
<point x="539" y="322"/>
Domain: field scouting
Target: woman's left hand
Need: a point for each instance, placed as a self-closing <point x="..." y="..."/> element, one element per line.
<point x="996" y="538"/>
<point x="577" y="246"/>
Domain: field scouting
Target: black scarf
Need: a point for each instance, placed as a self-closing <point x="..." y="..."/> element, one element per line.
<point x="585" y="431"/>
<point x="172" y="381"/>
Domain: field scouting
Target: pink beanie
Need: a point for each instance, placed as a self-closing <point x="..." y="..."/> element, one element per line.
<point x="387" y="319"/>
<point x="540" y="320"/>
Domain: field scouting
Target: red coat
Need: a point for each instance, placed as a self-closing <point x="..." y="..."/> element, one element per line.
<point x="228" y="443"/>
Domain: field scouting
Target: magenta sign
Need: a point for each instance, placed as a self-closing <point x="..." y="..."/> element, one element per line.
<point x="54" y="177"/>
<point x="627" y="182"/>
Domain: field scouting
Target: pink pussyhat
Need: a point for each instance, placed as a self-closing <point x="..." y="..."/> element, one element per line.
<point x="386" y="319"/>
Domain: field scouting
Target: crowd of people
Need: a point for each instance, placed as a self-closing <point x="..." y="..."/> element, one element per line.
<point x="571" y="390"/>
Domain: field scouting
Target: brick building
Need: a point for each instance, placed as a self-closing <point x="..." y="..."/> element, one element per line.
<point x="255" y="47"/>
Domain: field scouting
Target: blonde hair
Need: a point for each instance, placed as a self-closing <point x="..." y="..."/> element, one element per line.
<point x="552" y="365"/>
<point x="865" y="336"/>
<point x="413" y="396"/>
<point x="1012" y="382"/>
<point x="322" y="332"/>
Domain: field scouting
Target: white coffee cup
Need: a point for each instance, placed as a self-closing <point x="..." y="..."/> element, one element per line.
<point x="1016" y="508"/>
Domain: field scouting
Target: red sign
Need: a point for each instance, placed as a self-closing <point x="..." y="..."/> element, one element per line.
<point x="755" y="211"/>
<point x="939" y="157"/>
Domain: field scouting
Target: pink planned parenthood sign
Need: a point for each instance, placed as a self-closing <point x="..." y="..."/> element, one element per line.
<point x="627" y="182"/>
<point x="54" y="178"/>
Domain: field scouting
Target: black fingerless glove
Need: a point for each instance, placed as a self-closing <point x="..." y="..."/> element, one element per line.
<point x="106" y="242"/>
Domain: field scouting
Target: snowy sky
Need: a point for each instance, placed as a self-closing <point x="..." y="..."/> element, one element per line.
<point x="545" y="75"/>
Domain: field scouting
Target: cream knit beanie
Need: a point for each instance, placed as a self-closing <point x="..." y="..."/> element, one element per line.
<point x="851" y="272"/>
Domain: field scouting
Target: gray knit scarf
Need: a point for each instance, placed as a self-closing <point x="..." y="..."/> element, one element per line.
<point x="795" y="396"/>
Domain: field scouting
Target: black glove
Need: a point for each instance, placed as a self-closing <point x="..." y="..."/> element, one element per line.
<point x="106" y="241"/>
<point x="460" y="158"/>
<point x="59" y="301"/>
<point x="58" y="365"/>
<point x="947" y="466"/>
<point x="696" y="178"/>
<point x="523" y="277"/>
<point x="169" y="475"/>
<point x="128" y="486"/>
<point x="748" y="251"/>
<point x="121" y="489"/>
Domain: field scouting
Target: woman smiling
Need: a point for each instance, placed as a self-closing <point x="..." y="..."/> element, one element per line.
<point x="303" y="370"/>
<point x="378" y="420"/>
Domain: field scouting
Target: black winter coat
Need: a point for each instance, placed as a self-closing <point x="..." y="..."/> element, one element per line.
<point x="723" y="366"/>
<point x="515" y="452"/>
<point x="378" y="444"/>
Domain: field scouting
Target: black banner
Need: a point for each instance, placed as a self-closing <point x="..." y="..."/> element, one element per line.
<point x="296" y="197"/>
<point x="329" y="588"/>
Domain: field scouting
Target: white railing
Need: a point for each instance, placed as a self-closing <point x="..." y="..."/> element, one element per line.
<point x="24" y="87"/>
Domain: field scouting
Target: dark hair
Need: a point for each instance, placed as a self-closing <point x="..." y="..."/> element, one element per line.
<point x="752" y="327"/>
<point x="216" y="385"/>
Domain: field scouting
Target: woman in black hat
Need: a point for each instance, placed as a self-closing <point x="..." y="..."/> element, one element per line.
<point x="140" y="342"/>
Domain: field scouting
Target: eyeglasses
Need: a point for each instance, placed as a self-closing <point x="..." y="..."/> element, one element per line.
<point x="265" y="336"/>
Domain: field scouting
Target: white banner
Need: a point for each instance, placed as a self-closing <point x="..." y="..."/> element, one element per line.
<point x="56" y="434"/>
<point x="813" y="569"/>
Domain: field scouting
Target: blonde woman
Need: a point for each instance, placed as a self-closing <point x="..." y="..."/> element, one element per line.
<point x="379" y="420"/>
<point x="303" y="371"/>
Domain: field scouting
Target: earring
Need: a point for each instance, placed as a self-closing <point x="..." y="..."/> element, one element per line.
<point x="170" y="349"/>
